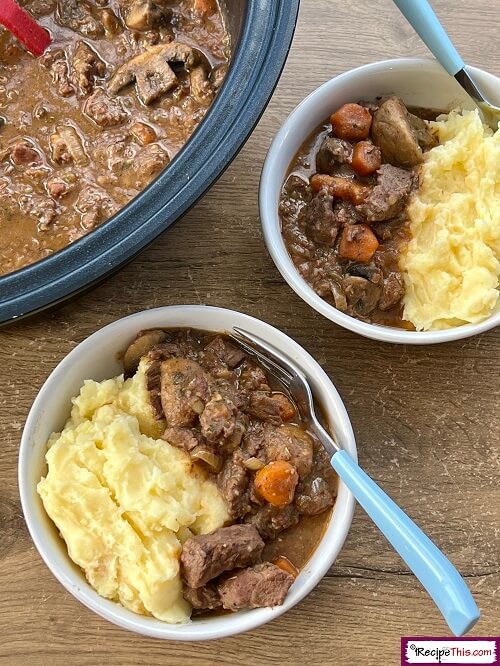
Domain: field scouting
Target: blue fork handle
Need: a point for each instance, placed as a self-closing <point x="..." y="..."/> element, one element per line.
<point x="421" y="16"/>
<point x="436" y="573"/>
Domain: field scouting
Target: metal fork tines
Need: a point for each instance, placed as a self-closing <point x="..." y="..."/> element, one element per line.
<point x="276" y="370"/>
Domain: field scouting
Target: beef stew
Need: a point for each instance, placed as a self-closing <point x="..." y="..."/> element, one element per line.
<point x="239" y="427"/>
<point x="87" y="126"/>
<point x="342" y="207"/>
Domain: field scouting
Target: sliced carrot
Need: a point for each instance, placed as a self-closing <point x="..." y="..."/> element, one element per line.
<point x="344" y="188"/>
<point x="366" y="158"/>
<point x="351" y="122"/>
<point x="276" y="482"/>
<point x="285" y="565"/>
<point x="358" y="242"/>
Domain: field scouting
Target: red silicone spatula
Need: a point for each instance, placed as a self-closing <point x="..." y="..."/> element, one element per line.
<point x="35" y="38"/>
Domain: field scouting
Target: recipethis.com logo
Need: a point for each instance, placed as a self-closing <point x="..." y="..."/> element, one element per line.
<point x="450" y="651"/>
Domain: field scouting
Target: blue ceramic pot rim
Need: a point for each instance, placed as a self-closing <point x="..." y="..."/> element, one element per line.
<point x="255" y="70"/>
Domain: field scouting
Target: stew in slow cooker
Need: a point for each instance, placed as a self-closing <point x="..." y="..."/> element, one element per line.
<point x="235" y="421"/>
<point x="87" y="126"/>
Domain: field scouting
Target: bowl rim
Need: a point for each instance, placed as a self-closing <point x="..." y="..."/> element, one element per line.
<point x="220" y="626"/>
<point x="271" y="226"/>
<point x="255" y="69"/>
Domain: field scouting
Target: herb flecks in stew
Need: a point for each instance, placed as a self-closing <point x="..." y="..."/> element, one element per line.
<point x="238" y="425"/>
<point x="343" y="207"/>
<point x="87" y="126"/>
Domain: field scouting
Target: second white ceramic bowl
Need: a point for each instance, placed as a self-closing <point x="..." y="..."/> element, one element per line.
<point x="419" y="82"/>
<point x="96" y="358"/>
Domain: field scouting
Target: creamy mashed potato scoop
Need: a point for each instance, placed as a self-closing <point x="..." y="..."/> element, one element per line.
<point x="125" y="501"/>
<point x="451" y="264"/>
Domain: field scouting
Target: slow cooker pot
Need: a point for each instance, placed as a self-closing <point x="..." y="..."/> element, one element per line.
<point x="262" y="32"/>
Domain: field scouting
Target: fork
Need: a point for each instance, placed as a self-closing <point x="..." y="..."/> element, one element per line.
<point x="436" y="573"/>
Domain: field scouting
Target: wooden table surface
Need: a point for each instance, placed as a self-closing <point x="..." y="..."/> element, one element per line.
<point x="426" y="419"/>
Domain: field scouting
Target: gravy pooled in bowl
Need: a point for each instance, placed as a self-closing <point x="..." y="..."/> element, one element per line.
<point x="192" y="483"/>
<point x="87" y="126"/>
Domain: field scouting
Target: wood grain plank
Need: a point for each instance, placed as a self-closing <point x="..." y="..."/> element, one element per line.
<point x="426" y="419"/>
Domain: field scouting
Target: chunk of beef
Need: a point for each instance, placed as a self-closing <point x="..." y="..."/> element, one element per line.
<point x="105" y="111"/>
<point x="313" y="496"/>
<point x="86" y="67"/>
<point x="274" y="408"/>
<point x="55" y="61"/>
<point x="362" y="295"/>
<point x="317" y="491"/>
<point x="253" y="441"/>
<point x="139" y="347"/>
<point x="41" y="207"/>
<point x="319" y="220"/>
<point x="202" y="598"/>
<point x="256" y="587"/>
<point x="218" y="419"/>
<point x="332" y="153"/>
<point x="229" y="354"/>
<point x="228" y="388"/>
<point x="392" y="291"/>
<point x="58" y="188"/>
<point x="345" y="213"/>
<point x="170" y="349"/>
<point x="390" y="195"/>
<point x="77" y="16"/>
<point x="184" y="391"/>
<point x="184" y="438"/>
<point x="252" y="377"/>
<point x="206" y="556"/>
<point x="400" y="135"/>
<point x="270" y="520"/>
<point x="95" y="205"/>
<point x="389" y="228"/>
<point x="23" y="154"/>
<point x="290" y="443"/>
<point x="66" y="146"/>
<point x="233" y="484"/>
<point x="151" y="70"/>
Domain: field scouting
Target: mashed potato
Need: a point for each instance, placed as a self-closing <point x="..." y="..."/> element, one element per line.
<point x="451" y="264"/>
<point x="124" y="501"/>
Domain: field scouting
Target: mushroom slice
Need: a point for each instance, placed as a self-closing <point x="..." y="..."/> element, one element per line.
<point x="139" y="347"/>
<point x="151" y="70"/>
<point x="144" y="14"/>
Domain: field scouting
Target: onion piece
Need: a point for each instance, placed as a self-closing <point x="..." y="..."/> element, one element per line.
<point x="208" y="457"/>
<point x="254" y="464"/>
<point x="198" y="406"/>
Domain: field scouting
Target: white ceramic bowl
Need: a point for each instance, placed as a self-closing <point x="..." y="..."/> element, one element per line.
<point x="419" y="82"/>
<point x="96" y="358"/>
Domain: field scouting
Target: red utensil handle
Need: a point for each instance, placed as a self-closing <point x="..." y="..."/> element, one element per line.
<point x="35" y="38"/>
